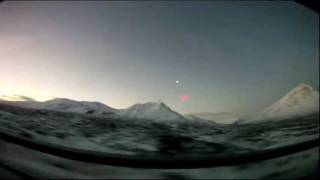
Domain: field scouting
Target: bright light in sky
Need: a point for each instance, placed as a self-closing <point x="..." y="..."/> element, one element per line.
<point x="12" y="90"/>
<point x="177" y="81"/>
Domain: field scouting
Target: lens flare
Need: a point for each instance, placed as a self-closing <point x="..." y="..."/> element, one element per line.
<point x="184" y="98"/>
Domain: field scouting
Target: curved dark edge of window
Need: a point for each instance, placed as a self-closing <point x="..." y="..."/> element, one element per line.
<point x="17" y="172"/>
<point x="310" y="4"/>
<point x="159" y="161"/>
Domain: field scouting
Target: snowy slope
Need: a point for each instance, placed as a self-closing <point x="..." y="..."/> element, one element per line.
<point x="109" y="135"/>
<point x="68" y="105"/>
<point x="220" y="117"/>
<point x="61" y="104"/>
<point x="301" y="101"/>
<point x="150" y="110"/>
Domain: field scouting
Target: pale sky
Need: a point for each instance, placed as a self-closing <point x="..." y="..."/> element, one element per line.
<point x="194" y="56"/>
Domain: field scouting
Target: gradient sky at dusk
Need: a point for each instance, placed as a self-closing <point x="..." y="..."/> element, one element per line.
<point x="226" y="56"/>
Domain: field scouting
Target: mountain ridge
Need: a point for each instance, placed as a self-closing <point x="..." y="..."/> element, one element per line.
<point x="302" y="100"/>
<point x="147" y="110"/>
<point x="299" y="101"/>
<point x="151" y="110"/>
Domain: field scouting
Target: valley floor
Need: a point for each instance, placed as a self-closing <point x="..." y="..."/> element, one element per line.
<point x="141" y="137"/>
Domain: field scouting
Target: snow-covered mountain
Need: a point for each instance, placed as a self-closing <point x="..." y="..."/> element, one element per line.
<point x="61" y="104"/>
<point x="220" y="117"/>
<point x="301" y="101"/>
<point x="85" y="107"/>
<point x="150" y="110"/>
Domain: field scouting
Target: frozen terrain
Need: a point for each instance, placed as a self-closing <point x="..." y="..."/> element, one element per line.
<point x="155" y="129"/>
<point x="111" y="134"/>
<point x="46" y="166"/>
<point x="59" y="104"/>
<point x="151" y="110"/>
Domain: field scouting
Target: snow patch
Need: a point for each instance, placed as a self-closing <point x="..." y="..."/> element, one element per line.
<point x="150" y="110"/>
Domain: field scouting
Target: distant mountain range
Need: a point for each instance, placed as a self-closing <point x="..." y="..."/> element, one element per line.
<point x="150" y="110"/>
<point x="302" y="100"/>
<point x="64" y="105"/>
<point x="220" y="117"/>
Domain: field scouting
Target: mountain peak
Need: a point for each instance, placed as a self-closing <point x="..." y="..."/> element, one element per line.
<point x="159" y="104"/>
<point x="151" y="110"/>
<point x="60" y="100"/>
<point x="304" y="87"/>
<point x="303" y="99"/>
<point x="65" y="104"/>
<point x="302" y="91"/>
<point x="154" y="105"/>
